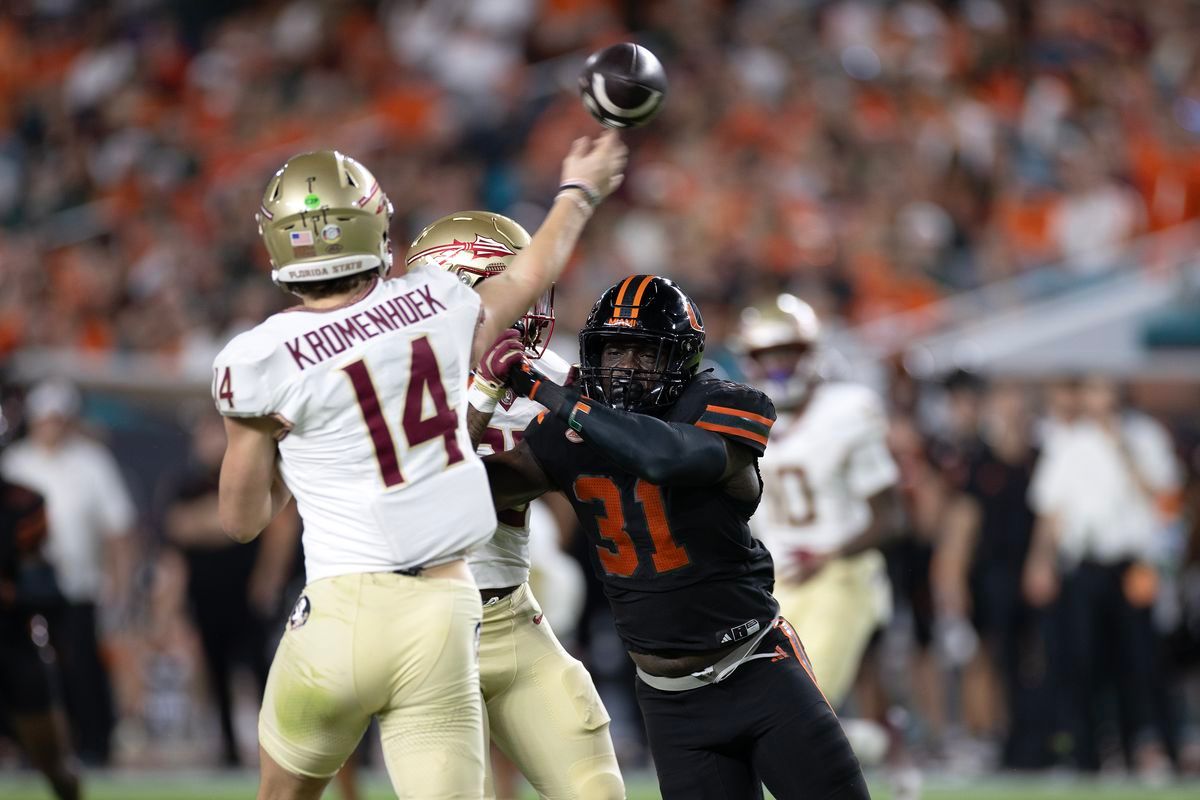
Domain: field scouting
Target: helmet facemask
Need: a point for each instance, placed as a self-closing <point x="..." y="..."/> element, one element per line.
<point x="787" y="373"/>
<point x="633" y="389"/>
<point x="537" y="325"/>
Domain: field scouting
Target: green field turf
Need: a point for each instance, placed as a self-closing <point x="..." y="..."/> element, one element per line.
<point x="195" y="786"/>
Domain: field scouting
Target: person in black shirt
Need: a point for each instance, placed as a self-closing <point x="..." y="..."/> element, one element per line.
<point x="660" y="465"/>
<point x="28" y="591"/>
<point x="988" y="530"/>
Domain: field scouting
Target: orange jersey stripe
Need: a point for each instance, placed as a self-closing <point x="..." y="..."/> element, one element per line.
<point x="754" y="437"/>
<point x="737" y="412"/>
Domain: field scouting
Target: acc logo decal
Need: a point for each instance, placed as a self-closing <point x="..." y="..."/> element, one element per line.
<point x="300" y="613"/>
<point x="573" y="437"/>
<point x="331" y="233"/>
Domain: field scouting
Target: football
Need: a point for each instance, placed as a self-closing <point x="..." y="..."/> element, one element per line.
<point x="623" y="86"/>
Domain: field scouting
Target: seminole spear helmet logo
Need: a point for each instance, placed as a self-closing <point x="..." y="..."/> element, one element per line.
<point x="452" y="254"/>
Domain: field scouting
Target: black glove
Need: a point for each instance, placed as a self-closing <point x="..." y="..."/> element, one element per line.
<point x="527" y="380"/>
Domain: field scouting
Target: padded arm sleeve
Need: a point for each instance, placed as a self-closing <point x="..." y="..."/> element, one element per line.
<point x="663" y="453"/>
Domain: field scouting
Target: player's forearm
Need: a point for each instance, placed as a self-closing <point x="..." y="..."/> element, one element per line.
<point x="663" y="453"/>
<point x="477" y="424"/>
<point x="244" y="514"/>
<point x="512" y="482"/>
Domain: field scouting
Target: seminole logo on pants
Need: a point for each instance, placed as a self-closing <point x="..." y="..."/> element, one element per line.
<point x="300" y="613"/>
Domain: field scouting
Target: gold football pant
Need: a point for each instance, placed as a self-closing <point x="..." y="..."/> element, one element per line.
<point x="835" y="612"/>
<point x="380" y="644"/>
<point x="541" y="706"/>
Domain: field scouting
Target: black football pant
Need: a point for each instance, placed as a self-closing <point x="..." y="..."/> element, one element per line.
<point x="1106" y="640"/>
<point x="24" y="679"/>
<point x="767" y="723"/>
<point x="86" y="687"/>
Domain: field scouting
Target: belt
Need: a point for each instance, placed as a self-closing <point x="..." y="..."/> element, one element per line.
<point x="713" y="674"/>
<point x="489" y="596"/>
<point x="414" y="572"/>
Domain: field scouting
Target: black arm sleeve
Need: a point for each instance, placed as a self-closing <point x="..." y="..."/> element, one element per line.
<point x="663" y="453"/>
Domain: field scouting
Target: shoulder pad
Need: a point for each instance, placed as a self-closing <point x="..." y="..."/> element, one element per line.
<point x="734" y="410"/>
<point x="241" y="384"/>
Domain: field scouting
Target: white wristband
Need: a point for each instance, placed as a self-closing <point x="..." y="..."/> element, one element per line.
<point x="480" y="400"/>
<point x="578" y="199"/>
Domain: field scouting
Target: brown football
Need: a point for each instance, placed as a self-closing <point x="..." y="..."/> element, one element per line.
<point x="623" y="86"/>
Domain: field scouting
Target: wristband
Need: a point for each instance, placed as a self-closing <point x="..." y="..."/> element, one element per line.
<point x="482" y="400"/>
<point x="579" y="201"/>
<point x="587" y="187"/>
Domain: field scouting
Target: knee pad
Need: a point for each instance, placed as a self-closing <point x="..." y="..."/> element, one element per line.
<point x="603" y="783"/>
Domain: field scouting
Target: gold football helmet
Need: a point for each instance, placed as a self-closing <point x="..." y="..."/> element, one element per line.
<point x="324" y="216"/>
<point x="779" y="340"/>
<point x="474" y="245"/>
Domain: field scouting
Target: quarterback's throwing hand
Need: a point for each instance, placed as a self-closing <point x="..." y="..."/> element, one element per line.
<point x="596" y="165"/>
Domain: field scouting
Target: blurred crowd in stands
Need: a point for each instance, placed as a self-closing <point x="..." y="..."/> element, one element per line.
<point x="870" y="157"/>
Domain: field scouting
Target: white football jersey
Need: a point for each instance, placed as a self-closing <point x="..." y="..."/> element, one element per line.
<point x="820" y="470"/>
<point x="504" y="559"/>
<point x="375" y="395"/>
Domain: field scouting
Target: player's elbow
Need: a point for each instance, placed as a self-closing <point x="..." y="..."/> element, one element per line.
<point x="242" y="534"/>
<point x="237" y="526"/>
<point x="661" y="470"/>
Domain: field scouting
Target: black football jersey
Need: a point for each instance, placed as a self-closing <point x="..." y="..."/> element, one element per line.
<point x="679" y="566"/>
<point x="22" y="531"/>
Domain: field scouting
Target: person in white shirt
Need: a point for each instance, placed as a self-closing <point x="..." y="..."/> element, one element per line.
<point x="355" y="404"/>
<point x="1098" y="491"/>
<point x="91" y="517"/>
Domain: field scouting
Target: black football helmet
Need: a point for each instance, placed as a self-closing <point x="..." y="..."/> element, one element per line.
<point x="657" y="311"/>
